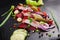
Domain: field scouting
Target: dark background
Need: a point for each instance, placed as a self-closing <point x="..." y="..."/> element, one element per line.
<point x="4" y="3"/>
<point x="8" y="3"/>
<point x="4" y="6"/>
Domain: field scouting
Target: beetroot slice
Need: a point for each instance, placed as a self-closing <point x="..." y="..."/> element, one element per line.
<point x="23" y="25"/>
<point x="32" y="28"/>
<point x="19" y="15"/>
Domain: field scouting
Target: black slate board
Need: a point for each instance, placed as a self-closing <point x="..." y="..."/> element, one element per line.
<point x="5" y="31"/>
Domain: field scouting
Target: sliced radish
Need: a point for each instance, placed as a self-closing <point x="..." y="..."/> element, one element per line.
<point x="16" y="11"/>
<point x="19" y="19"/>
<point x="20" y="7"/>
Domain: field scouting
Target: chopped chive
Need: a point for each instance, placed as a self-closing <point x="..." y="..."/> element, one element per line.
<point x="28" y="26"/>
<point x="30" y="19"/>
<point x="37" y="30"/>
<point x="49" y="35"/>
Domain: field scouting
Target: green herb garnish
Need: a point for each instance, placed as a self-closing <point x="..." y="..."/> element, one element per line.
<point x="28" y="26"/>
<point x="8" y="16"/>
<point x="30" y="19"/>
<point x="37" y="30"/>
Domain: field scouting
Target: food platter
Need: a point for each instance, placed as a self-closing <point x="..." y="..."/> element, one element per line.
<point x="6" y="30"/>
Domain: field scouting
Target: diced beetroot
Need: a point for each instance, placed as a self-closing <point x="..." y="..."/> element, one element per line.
<point x="19" y="15"/>
<point x="31" y="28"/>
<point x="16" y="8"/>
<point x="39" y="8"/>
<point x="23" y="25"/>
<point x="50" y="22"/>
<point x="44" y="13"/>
<point x="31" y="16"/>
<point x="25" y="11"/>
<point x="25" y="17"/>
